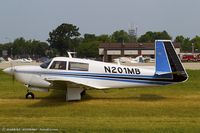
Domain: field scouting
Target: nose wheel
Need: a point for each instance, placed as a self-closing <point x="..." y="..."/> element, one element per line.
<point x="30" y="95"/>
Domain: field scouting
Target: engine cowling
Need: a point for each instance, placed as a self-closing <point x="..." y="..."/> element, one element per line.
<point x="37" y="81"/>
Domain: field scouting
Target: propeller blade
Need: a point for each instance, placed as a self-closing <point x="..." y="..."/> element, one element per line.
<point x="13" y="73"/>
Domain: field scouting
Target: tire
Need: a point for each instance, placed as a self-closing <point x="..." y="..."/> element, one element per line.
<point x="30" y="95"/>
<point x="83" y="93"/>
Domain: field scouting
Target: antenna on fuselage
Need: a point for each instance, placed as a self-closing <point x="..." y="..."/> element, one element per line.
<point x="71" y="54"/>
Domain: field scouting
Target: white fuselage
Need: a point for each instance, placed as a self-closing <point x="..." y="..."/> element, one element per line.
<point x="100" y="75"/>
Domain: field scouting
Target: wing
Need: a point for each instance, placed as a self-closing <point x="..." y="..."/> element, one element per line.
<point x="88" y="83"/>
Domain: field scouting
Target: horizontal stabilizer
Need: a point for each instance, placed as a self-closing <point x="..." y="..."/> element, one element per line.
<point x="163" y="73"/>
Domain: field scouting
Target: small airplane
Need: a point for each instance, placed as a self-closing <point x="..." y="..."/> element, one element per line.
<point x="2" y="60"/>
<point x="138" y="59"/>
<point x="77" y="75"/>
<point x="22" y="60"/>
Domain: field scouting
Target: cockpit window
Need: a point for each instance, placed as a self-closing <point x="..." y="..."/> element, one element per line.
<point x="46" y="64"/>
<point x="61" y="65"/>
<point x="77" y="66"/>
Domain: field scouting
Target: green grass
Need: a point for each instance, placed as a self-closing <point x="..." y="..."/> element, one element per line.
<point x="174" y="108"/>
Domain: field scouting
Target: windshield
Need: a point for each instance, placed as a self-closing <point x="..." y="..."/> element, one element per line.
<point x="45" y="64"/>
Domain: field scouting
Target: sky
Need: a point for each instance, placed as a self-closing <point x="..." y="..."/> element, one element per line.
<point x="34" y="19"/>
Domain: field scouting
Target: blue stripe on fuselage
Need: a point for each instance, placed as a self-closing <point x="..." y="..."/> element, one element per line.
<point x="113" y="77"/>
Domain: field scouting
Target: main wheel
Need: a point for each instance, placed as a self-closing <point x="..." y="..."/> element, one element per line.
<point x="30" y="95"/>
<point x="83" y="93"/>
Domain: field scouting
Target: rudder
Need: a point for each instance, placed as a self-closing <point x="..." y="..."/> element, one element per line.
<point x="168" y="64"/>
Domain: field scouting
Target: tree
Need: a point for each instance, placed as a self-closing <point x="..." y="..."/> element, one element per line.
<point x="152" y="36"/>
<point x="186" y="45"/>
<point x="1" y="49"/>
<point x="63" y="38"/>
<point x="179" y="39"/>
<point x="132" y="38"/>
<point x="88" y="49"/>
<point x="120" y="36"/>
<point x="37" y="48"/>
<point x="196" y="42"/>
<point x="104" y="38"/>
<point x="29" y="48"/>
<point x="89" y="37"/>
<point x="20" y="47"/>
<point x="7" y="47"/>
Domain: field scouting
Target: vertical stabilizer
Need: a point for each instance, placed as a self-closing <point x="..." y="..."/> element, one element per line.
<point x="168" y="64"/>
<point x="162" y="62"/>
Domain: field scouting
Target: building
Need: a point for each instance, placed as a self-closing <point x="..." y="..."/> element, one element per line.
<point x="110" y="51"/>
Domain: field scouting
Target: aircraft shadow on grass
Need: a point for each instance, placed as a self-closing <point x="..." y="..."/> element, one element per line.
<point x="141" y="97"/>
<point x="150" y="97"/>
<point x="58" y="99"/>
<point x="54" y="99"/>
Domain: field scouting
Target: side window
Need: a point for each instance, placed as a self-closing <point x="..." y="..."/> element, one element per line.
<point x="61" y="65"/>
<point x="78" y="66"/>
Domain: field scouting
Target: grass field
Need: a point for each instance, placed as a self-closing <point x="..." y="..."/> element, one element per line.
<point x="174" y="108"/>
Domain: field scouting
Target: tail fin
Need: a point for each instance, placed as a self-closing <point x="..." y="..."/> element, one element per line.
<point x="168" y="64"/>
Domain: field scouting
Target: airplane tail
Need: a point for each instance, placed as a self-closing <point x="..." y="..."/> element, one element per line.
<point x="168" y="64"/>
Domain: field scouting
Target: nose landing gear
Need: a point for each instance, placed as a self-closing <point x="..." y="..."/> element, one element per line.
<point x="30" y="95"/>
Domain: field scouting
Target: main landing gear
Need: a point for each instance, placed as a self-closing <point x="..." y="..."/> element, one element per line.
<point x="74" y="93"/>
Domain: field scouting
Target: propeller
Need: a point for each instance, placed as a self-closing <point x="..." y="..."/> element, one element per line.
<point x="13" y="73"/>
